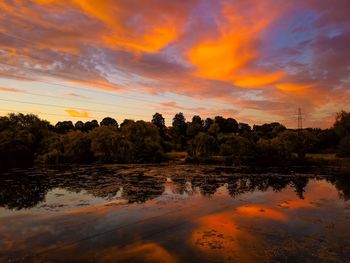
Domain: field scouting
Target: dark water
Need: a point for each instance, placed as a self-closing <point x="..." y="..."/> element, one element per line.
<point x="172" y="214"/>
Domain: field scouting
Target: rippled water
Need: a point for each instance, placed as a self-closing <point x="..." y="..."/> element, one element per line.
<point x="172" y="214"/>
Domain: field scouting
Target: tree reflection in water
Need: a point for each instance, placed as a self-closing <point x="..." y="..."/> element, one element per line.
<point x="24" y="189"/>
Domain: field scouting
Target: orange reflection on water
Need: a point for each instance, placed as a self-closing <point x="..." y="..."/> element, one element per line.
<point x="293" y="204"/>
<point x="190" y="219"/>
<point x="219" y="236"/>
<point x="146" y="252"/>
<point x="259" y="211"/>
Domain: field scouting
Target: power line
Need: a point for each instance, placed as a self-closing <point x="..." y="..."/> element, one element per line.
<point x="90" y="102"/>
<point x="79" y="100"/>
<point x="96" y="103"/>
<point x="71" y="87"/>
<point x="69" y="107"/>
<point x="65" y="107"/>
<point x="34" y="43"/>
<point x="60" y="75"/>
<point x="56" y="75"/>
<point x="93" y="91"/>
<point x="88" y="90"/>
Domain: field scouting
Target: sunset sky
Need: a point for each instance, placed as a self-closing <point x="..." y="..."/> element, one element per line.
<point x="256" y="61"/>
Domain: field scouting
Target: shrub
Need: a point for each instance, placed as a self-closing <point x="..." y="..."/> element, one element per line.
<point x="344" y="147"/>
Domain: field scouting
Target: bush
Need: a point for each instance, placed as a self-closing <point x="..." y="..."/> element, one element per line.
<point x="107" y="146"/>
<point x="272" y="152"/>
<point x="299" y="142"/>
<point x="238" y="150"/>
<point x="203" y="146"/>
<point x="344" y="147"/>
<point x="145" y="141"/>
<point x="72" y="147"/>
<point x="21" y="138"/>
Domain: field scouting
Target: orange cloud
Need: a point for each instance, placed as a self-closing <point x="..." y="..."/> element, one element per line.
<point x="294" y="87"/>
<point x="4" y="89"/>
<point x="258" y="80"/>
<point x="75" y="95"/>
<point x="227" y="56"/>
<point x="170" y="104"/>
<point x="75" y="113"/>
<point x="308" y="94"/>
<point x="115" y="16"/>
<point x="27" y="15"/>
<point x="135" y="25"/>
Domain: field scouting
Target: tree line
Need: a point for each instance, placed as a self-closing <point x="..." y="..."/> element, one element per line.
<point x="26" y="140"/>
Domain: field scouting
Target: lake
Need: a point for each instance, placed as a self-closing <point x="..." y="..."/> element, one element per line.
<point x="172" y="214"/>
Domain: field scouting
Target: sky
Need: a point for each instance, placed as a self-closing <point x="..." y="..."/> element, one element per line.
<point x="255" y="61"/>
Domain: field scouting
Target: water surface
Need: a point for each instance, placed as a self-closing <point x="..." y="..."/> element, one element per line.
<point x="172" y="214"/>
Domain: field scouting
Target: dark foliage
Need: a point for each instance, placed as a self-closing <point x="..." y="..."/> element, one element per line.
<point x="25" y="139"/>
<point x="108" y="121"/>
<point x="64" y="126"/>
<point x="21" y="139"/>
<point x="159" y="121"/>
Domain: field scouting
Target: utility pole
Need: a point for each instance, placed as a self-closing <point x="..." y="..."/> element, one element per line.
<point x="300" y="119"/>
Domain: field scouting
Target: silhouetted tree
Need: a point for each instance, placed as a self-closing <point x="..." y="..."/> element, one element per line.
<point x="214" y="130"/>
<point x="159" y="122"/>
<point x="244" y="127"/>
<point x="198" y="120"/>
<point x="220" y="121"/>
<point x="269" y="130"/>
<point x="108" y="121"/>
<point x="207" y="123"/>
<point x="64" y="126"/>
<point x="230" y="126"/>
<point x="342" y="124"/>
<point x="25" y="139"/>
<point x="178" y="132"/>
<point x="195" y="127"/>
<point x="90" y="125"/>
<point x="126" y="121"/>
<point x="79" y="125"/>
<point x="179" y="123"/>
